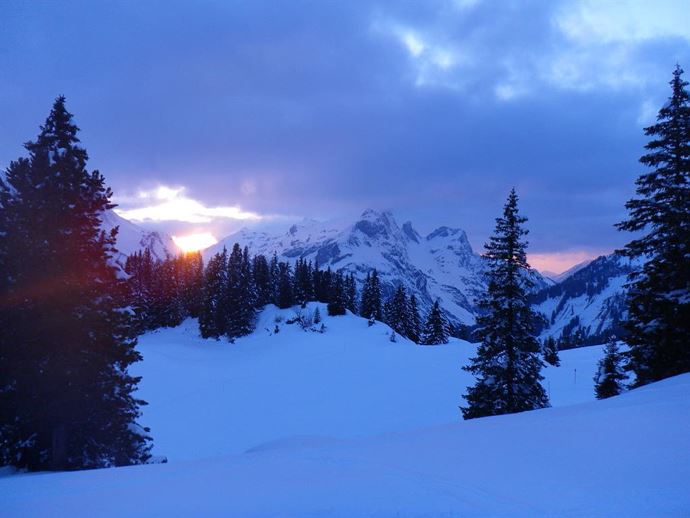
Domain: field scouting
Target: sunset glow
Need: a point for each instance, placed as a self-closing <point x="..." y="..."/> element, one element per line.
<point x="559" y="262"/>
<point x="172" y="204"/>
<point x="195" y="242"/>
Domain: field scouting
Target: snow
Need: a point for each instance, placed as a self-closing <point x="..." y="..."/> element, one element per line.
<point x="592" y="310"/>
<point x="132" y="238"/>
<point x="347" y="423"/>
<point x="560" y="277"/>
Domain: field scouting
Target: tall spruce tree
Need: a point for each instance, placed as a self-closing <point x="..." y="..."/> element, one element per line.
<point x="338" y="303"/>
<point x="262" y="280"/>
<point x="139" y="266"/>
<point x="658" y="322"/>
<point x="414" y="324"/>
<point x="239" y="294"/>
<point x="286" y="298"/>
<point x="507" y="366"/>
<point x="371" y="306"/>
<point x="351" y="293"/>
<point x="397" y="312"/>
<point x="436" y="327"/>
<point x="213" y="311"/>
<point x="67" y="342"/>
<point x="191" y="266"/>
<point x="610" y="375"/>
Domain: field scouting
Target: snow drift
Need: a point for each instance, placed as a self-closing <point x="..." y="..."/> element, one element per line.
<point x="347" y="423"/>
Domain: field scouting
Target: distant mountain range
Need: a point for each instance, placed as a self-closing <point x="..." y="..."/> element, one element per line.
<point x="588" y="305"/>
<point x="580" y="306"/>
<point x="560" y="277"/>
<point x="132" y="238"/>
<point x="440" y="265"/>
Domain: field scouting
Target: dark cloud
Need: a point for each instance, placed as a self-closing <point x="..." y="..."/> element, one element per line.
<point x="432" y="109"/>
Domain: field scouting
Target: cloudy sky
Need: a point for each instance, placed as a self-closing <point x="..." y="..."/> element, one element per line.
<point x="208" y="116"/>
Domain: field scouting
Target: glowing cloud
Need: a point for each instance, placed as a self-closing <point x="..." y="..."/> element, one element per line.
<point x="171" y="204"/>
<point x="194" y="242"/>
<point x="558" y="262"/>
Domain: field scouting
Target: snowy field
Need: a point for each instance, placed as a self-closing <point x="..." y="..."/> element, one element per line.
<point x="347" y="423"/>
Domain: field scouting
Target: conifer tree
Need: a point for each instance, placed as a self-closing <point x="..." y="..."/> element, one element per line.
<point x="67" y="341"/>
<point x="285" y="296"/>
<point x="414" y="328"/>
<point x="610" y="375"/>
<point x="507" y="366"/>
<point x="550" y="350"/>
<point x="351" y="293"/>
<point x="371" y="307"/>
<point x="303" y="289"/>
<point x="436" y="327"/>
<point x="239" y="294"/>
<point x="192" y="275"/>
<point x="398" y="312"/>
<point x="274" y="275"/>
<point x="262" y="280"/>
<point x="338" y="302"/>
<point x="658" y="322"/>
<point x="166" y="307"/>
<point x="212" y="316"/>
<point x="139" y="266"/>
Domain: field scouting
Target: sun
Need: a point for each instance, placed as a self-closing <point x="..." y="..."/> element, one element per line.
<point x="195" y="242"/>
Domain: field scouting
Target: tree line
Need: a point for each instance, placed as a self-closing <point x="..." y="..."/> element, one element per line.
<point x="226" y="294"/>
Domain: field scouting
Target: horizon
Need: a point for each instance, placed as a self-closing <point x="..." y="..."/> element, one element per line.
<point x="548" y="265"/>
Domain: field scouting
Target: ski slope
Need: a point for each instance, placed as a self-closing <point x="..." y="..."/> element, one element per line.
<point x="348" y="423"/>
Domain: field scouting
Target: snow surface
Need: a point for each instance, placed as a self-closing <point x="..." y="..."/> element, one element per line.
<point x="131" y="238"/>
<point x="347" y="423"/>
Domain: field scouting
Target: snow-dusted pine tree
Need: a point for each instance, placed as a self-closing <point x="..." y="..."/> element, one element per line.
<point x="67" y="342"/>
<point x="507" y="366"/>
<point x="658" y="321"/>
<point x="436" y="327"/>
<point x="610" y="375"/>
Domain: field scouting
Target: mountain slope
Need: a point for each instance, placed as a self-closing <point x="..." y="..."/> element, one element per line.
<point x="587" y="306"/>
<point x="132" y="238"/>
<point x="560" y="277"/>
<point x="441" y="265"/>
<point x="347" y="423"/>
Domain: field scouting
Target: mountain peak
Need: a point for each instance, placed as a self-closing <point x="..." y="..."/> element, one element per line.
<point x="377" y="224"/>
<point x="410" y="232"/>
<point x="447" y="232"/>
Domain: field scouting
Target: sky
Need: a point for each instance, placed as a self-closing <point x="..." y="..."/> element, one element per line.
<point x="209" y="116"/>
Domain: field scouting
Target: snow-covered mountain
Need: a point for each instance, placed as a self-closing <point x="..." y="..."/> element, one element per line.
<point x="440" y="265"/>
<point x="560" y="277"/>
<point x="588" y="305"/>
<point x="132" y="238"/>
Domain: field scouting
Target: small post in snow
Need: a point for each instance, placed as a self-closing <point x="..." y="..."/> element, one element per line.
<point x="575" y="379"/>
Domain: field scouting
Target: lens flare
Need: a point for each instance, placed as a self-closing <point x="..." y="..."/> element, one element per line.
<point x="195" y="242"/>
